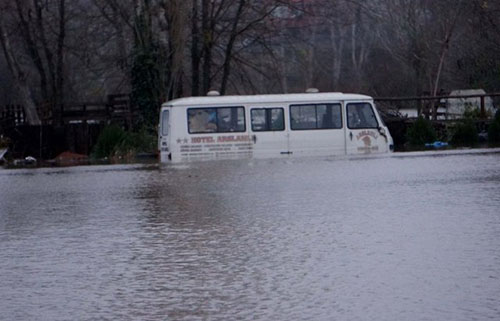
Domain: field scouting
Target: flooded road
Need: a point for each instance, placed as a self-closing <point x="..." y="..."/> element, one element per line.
<point x="392" y="238"/>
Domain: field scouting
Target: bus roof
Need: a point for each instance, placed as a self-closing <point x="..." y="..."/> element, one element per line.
<point x="263" y="99"/>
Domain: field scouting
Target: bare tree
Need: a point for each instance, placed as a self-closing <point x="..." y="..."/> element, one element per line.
<point x="176" y="17"/>
<point x="247" y="23"/>
<point x="337" y="35"/>
<point x="119" y="15"/>
<point x="449" y="16"/>
<point x="401" y="47"/>
<point x="20" y="77"/>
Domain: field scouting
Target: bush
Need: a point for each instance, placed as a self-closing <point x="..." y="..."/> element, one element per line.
<point x="421" y="132"/>
<point x="472" y="113"/>
<point x="110" y="137"/>
<point x="465" y="134"/>
<point x="137" y="142"/>
<point x="494" y="132"/>
<point x="114" y="141"/>
<point x="494" y="129"/>
<point x="4" y="142"/>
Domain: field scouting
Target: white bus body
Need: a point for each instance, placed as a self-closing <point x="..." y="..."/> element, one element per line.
<point x="266" y="126"/>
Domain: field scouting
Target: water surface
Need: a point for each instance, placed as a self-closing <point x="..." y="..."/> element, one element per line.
<point x="389" y="238"/>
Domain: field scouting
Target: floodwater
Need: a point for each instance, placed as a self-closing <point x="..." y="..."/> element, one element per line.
<point x="413" y="237"/>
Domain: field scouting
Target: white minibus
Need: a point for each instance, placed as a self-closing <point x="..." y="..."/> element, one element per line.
<point x="265" y="126"/>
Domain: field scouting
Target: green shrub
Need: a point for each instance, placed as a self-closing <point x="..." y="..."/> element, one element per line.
<point x="114" y="141"/>
<point x="494" y="129"/>
<point x="421" y="132"/>
<point x="472" y="113"/>
<point x="4" y="142"/>
<point x="110" y="137"/>
<point x="137" y="142"/>
<point x="465" y="134"/>
<point x="494" y="132"/>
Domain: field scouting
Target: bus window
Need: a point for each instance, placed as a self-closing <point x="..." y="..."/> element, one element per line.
<point x="202" y="120"/>
<point x="231" y="119"/>
<point x="316" y="116"/>
<point x="164" y="123"/>
<point x="216" y="120"/>
<point x="361" y="115"/>
<point x="329" y="116"/>
<point x="268" y="119"/>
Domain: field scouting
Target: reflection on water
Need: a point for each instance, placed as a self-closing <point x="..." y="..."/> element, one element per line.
<point x="392" y="238"/>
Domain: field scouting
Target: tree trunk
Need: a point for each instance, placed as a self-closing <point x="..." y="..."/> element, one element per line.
<point x="195" y="52"/>
<point x="229" y="47"/>
<point x="176" y="17"/>
<point x="59" y="85"/>
<point x="444" y="49"/>
<point x="32" y="49"/>
<point x="207" y="45"/>
<point x="337" y="48"/>
<point x="19" y="79"/>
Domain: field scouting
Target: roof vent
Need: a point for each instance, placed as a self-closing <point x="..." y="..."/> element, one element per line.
<point x="213" y="93"/>
<point x="312" y="90"/>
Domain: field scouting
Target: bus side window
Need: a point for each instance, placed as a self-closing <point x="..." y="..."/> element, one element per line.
<point x="277" y="118"/>
<point x="329" y="116"/>
<point x="258" y="118"/>
<point x="202" y="120"/>
<point x="268" y="119"/>
<point x="231" y="119"/>
<point x="316" y="116"/>
<point x="216" y="120"/>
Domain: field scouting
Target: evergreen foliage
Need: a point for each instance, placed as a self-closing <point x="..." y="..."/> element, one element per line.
<point x="146" y="72"/>
<point x="136" y="142"/>
<point x="110" y="137"/>
<point x="114" y="141"/>
<point x="145" y="83"/>
<point x="4" y="142"/>
<point x="494" y="129"/>
<point x="421" y="132"/>
<point x="465" y="133"/>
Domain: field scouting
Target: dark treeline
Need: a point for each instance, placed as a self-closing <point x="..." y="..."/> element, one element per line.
<point x="60" y="51"/>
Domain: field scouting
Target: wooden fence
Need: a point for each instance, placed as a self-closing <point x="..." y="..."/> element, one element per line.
<point x="116" y="108"/>
<point x="12" y="115"/>
<point x="72" y="127"/>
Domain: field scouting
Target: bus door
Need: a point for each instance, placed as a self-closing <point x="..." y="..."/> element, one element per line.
<point x="267" y="125"/>
<point x="316" y="129"/>
<point x="364" y="132"/>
